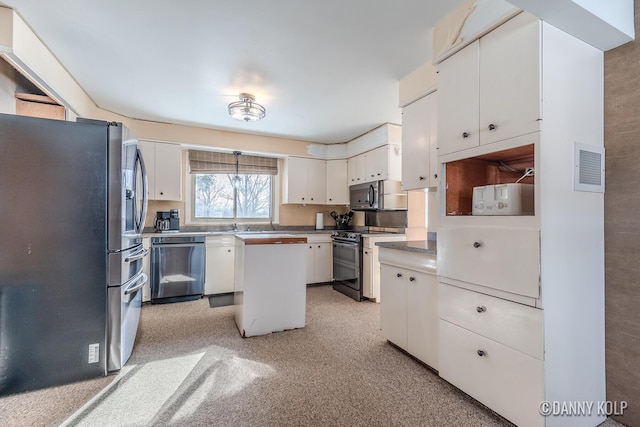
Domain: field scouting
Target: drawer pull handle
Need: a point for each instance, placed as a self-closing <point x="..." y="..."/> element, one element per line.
<point x="476" y="244"/>
<point x="492" y="127"/>
<point x="481" y="353"/>
<point x="399" y="275"/>
<point x="412" y="279"/>
<point x="481" y="309"/>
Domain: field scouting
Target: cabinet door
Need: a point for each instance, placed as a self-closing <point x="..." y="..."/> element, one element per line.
<point x="316" y="181"/>
<point x="296" y="181"/>
<point x="510" y="80"/>
<point x="352" y="171"/>
<point x="337" y="185"/>
<point x="148" y="150"/>
<point x="219" y="271"/>
<point x="393" y="308"/>
<point x="322" y="262"/>
<point x="415" y="144"/>
<point x="458" y="101"/>
<point x="432" y="113"/>
<point x="377" y="164"/>
<point x="367" y="279"/>
<point x="422" y="317"/>
<point x="311" y="264"/>
<point x="168" y="172"/>
<point x="361" y="169"/>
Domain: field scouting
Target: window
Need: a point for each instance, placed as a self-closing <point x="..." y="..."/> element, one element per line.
<point x="215" y="196"/>
<point x="229" y="187"/>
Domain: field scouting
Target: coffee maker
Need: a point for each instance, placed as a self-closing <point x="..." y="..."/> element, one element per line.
<point x="168" y="220"/>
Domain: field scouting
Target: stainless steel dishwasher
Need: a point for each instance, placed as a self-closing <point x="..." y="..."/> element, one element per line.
<point x="177" y="268"/>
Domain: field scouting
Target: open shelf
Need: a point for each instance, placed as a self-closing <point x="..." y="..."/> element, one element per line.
<point x="500" y="167"/>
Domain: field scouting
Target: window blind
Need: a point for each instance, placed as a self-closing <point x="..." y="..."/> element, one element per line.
<point x="215" y="162"/>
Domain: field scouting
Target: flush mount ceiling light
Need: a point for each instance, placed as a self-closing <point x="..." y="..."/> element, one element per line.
<point x="246" y="110"/>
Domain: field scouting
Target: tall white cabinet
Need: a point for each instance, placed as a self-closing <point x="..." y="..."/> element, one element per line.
<point x="521" y="297"/>
<point x="419" y="144"/>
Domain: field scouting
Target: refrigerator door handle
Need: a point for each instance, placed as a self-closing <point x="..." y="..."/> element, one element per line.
<point x="145" y="191"/>
<point x="130" y="288"/>
<point x="138" y="255"/>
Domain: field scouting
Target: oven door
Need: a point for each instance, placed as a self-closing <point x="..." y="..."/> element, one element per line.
<point x="347" y="259"/>
<point x="346" y="264"/>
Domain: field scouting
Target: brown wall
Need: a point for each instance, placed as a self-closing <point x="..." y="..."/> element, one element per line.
<point x="622" y="225"/>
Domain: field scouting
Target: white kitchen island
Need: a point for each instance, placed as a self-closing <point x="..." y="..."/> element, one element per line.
<point x="270" y="291"/>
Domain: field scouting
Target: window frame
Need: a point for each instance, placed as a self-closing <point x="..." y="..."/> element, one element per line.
<point x="191" y="219"/>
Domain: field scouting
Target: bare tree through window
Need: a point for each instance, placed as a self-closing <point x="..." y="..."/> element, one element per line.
<point x="217" y="197"/>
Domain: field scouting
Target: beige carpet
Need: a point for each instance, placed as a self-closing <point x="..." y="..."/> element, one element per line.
<point x="190" y="367"/>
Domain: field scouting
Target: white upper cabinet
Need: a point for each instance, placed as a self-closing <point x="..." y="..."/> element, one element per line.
<point x="337" y="185"/>
<point x="356" y="170"/>
<point x="164" y="170"/>
<point x="419" y="158"/>
<point x="458" y="95"/>
<point x="490" y="90"/>
<point x="510" y="80"/>
<point x="305" y="181"/>
<point x="376" y="165"/>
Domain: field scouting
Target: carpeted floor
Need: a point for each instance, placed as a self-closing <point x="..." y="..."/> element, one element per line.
<point x="190" y="367"/>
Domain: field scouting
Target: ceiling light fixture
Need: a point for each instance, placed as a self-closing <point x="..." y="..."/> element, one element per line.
<point x="246" y="109"/>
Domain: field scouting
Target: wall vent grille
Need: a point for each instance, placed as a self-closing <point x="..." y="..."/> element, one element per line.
<point x="589" y="168"/>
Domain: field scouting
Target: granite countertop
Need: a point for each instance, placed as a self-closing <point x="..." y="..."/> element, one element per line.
<point x="428" y="247"/>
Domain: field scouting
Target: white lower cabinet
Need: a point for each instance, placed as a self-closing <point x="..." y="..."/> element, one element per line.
<point x="506" y="380"/>
<point x="409" y="303"/>
<point x="219" y="270"/>
<point x="319" y="258"/>
<point x="492" y="349"/>
<point x="371" y="265"/>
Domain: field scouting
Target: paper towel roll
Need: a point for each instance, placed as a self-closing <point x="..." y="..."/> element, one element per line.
<point x="319" y="221"/>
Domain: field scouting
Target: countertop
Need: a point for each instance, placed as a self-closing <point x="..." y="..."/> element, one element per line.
<point x="428" y="247"/>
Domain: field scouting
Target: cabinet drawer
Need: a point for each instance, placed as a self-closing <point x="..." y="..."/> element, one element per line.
<point x="512" y="324"/>
<point x="499" y="258"/>
<point x="504" y="379"/>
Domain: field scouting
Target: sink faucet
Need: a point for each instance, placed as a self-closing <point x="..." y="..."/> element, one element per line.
<point x="235" y="226"/>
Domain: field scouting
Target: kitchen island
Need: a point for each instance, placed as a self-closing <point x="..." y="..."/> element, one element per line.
<point x="269" y="286"/>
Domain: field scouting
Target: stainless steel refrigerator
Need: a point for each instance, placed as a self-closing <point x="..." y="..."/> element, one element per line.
<point x="73" y="201"/>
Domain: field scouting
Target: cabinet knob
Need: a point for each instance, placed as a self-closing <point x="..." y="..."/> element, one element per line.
<point x="379" y="174"/>
<point x="303" y="198"/>
<point x="330" y="199"/>
<point x="412" y="279"/>
<point x="318" y="245"/>
<point x="399" y="275"/>
<point x="481" y="353"/>
<point x="435" y="175"/>
<point x="229" y="250"/>
<point x="366" y="253"/>
<point x="481" y="309"/>
<point x="492" y="127"/>
<point x="465" y="134"/>
<point x="421" y="178"/>
<point x="312" y="198"/>
<point x="161" y="193"/>
<point x="476" y="244"/>
<point x="372" y="175"/>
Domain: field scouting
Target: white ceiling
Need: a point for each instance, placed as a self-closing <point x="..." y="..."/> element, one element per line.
<point x="327" y="71"/>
